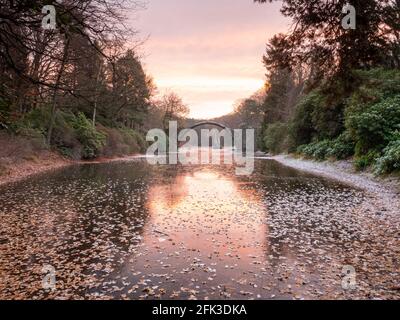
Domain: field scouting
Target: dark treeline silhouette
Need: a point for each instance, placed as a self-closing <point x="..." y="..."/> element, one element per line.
<point x="80" y="88"/>
<point x="334" y="91"/>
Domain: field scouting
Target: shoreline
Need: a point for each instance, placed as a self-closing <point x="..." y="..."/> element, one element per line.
<point x="385" y="190"/>
<point x="29" y="167"/>
<point x="341" y="171"/>
<point x="46" y="163"/>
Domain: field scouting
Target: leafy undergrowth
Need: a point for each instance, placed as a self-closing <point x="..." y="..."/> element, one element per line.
<point x="370" y="124"/>
<point x="74" y="137"/>
<point x="24" y="149"/>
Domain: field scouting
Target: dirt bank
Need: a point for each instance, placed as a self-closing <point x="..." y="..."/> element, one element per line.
<point x="12" y="170"/>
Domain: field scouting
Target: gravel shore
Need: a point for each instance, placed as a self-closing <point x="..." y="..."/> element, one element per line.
<point x="383" y="189"/>
<point x="343" y="171"/>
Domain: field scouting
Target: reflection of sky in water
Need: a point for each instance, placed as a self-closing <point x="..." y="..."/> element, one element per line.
<point x="130" y="230"/>
<point x="203" y="207"/>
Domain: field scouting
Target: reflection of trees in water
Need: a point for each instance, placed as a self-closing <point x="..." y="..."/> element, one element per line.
<point x="78" y="216"/>
<point x="109" y="194"/>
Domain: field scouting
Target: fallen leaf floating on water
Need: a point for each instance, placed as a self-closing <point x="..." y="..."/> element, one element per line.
<point x="114" y="233"/>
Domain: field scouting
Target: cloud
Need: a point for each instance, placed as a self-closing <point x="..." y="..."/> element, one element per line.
<point x="210" y="97"/>
<point x="208" y="51"/>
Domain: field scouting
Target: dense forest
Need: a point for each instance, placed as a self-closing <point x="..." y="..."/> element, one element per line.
<point x="79" y="89"/>
<point x="334" y="92"/>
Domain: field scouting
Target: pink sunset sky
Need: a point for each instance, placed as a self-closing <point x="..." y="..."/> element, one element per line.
<point x="208" y="51"/>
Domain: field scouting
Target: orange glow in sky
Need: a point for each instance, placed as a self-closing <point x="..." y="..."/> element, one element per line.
<point x="209" y="52"/>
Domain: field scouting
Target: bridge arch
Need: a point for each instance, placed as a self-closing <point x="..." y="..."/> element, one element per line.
<point x="209" y="123"/>
<point x="205" y="123"/>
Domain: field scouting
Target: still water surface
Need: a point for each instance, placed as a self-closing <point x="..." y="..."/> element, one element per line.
<point x="128" y="230"/>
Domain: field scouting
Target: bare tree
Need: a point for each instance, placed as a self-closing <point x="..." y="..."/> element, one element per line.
<point x="172" y="107"/>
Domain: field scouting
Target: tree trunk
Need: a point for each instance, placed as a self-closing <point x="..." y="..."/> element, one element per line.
<point x="95" y="96"/>
<point x="54" y="97"/>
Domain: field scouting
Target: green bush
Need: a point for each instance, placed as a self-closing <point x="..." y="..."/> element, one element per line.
<point x="302" y="130"/>
<point x="134" y="139"/>
<point x="74" y="135"/>
<point x="276" y="138"/>
<point x="328" y="118"/>
<point x="33" y="120"/>
<point x="92" y="141"/>
<point x="122" y="141"/>
<point x="374" y="86"/>
<point x="318" y="150"/>
<point x="342" y="147"/>
<point x="339" y="120"/>
<point x="363" y="162"/>
<point x="373" y="126"/>
<point x="390" y="160"/>
<point x="322" y="149"/>
<point x="64" y="137"/>
<point x="36" y="137"/>
<point x="319" y="115"/>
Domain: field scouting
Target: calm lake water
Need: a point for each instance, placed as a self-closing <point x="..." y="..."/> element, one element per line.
<point x="128" y="230"/>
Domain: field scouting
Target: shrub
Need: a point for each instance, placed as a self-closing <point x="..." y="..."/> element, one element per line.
<point x="17" y="147"/>
<point x="114" y="142"/>
<point x="37" y="119"/>
<point x="134" y="139"/>
<point x="122" y="141"/>
<point x="342" y="148"/>
<point x="328" y="119"/>
<point x="92" y="141"/>
<point x="64" y="137"/>
<point x="374" y="86"/>
<point x="36" y="137"/>
<point x="302" y="130"/>
<point x="317" y="150"/>
<point x="363" y="162"/>
<point x="320" y="114"/>
<point x="276" y="138"/>
<point x="372" y="127"/>
<point x="74" y="135"/>
<point x="322" y="149"/>
<point x="390" y="160"/>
